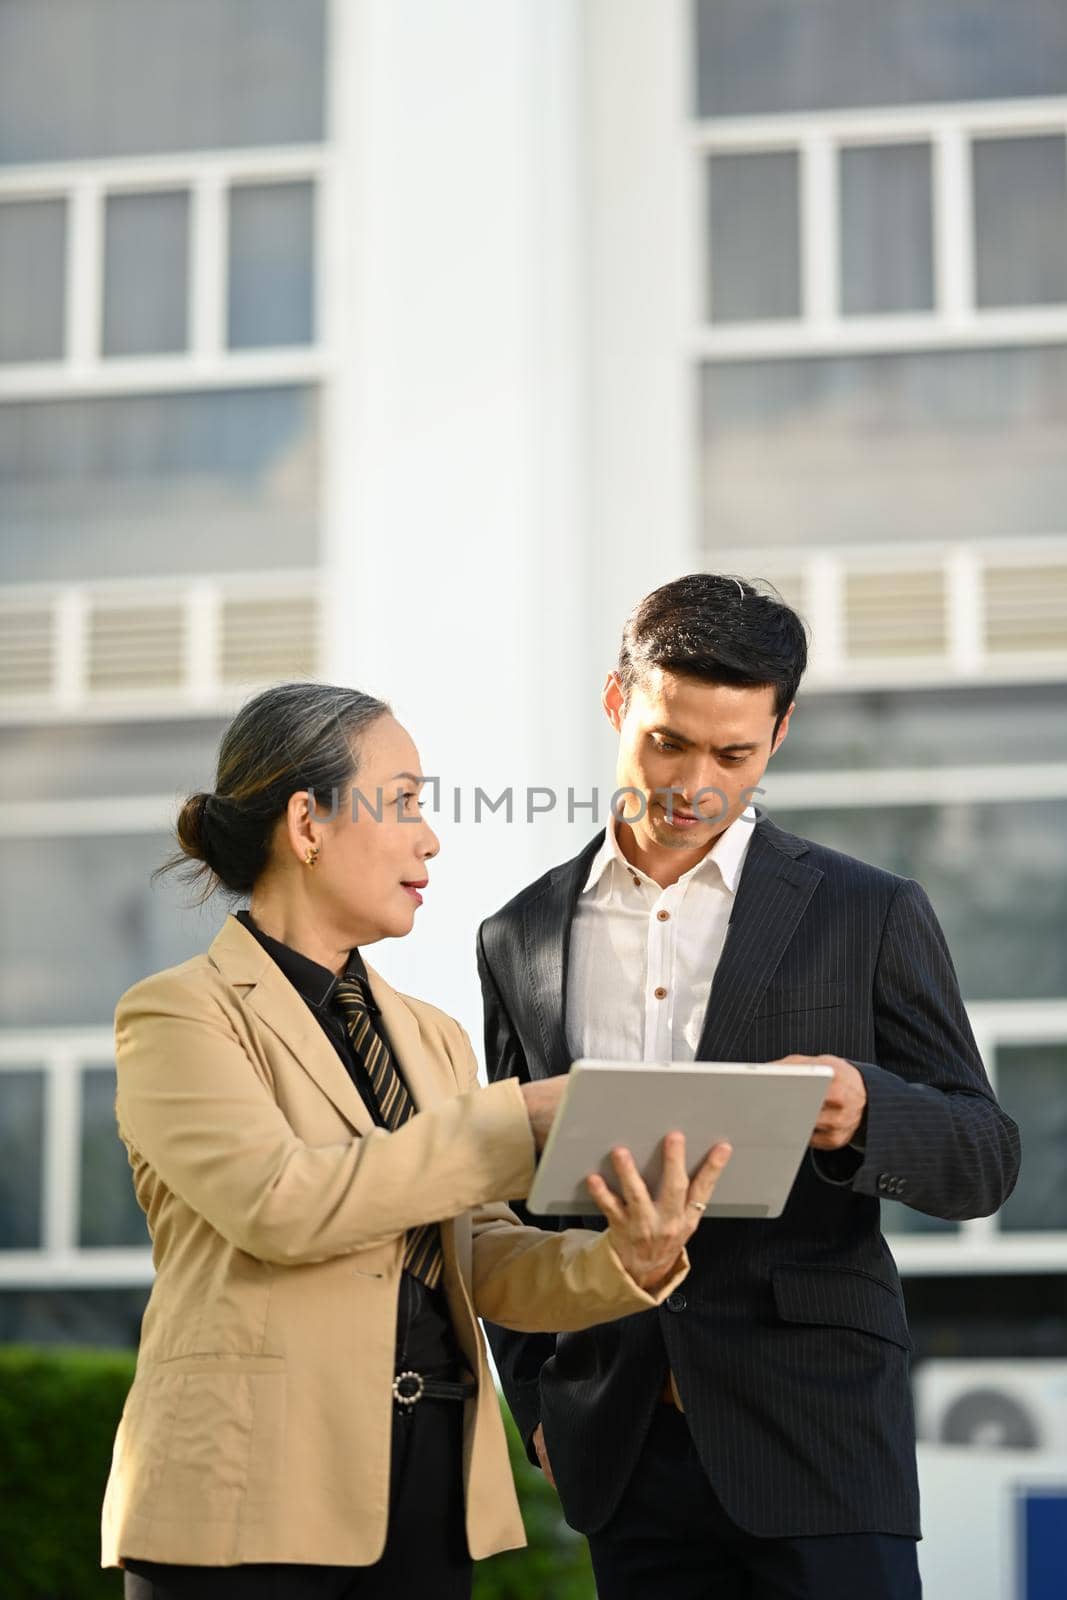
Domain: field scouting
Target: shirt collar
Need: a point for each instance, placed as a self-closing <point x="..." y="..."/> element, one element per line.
<point x="726" y="856"/>
<point x="313" y="981"/>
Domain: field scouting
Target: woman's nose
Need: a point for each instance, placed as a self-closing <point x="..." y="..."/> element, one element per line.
<point x="431" y="844"/>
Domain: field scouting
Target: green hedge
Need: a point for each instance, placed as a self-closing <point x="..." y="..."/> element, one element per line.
<point x="58" y="1412"/>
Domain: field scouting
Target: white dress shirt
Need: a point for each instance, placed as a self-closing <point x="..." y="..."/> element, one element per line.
<point x="642" y="958"/>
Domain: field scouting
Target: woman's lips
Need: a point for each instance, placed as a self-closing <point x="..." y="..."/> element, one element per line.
<point x="413" y="889"/>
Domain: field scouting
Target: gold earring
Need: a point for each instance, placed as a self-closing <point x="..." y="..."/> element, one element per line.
<point x="312" y="856"/>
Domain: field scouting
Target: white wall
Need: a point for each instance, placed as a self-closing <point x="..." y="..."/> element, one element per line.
<point x="507" y="436"/>
<point x="458" y="461"/>
<point x="972" y="1546"/>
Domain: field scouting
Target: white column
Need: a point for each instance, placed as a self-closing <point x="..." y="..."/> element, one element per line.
<point x="456" y="455"/>
<point x="643" y="304"/>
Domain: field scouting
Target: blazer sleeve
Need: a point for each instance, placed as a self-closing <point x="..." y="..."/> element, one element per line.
<point x="935" y="1137"/>
<point x="192" y="1102"/>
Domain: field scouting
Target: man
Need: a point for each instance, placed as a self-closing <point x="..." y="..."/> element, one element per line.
<point x="754" y="1436"/>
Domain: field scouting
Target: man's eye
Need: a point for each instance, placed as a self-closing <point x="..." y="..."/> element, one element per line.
<point x="666" y="744"/>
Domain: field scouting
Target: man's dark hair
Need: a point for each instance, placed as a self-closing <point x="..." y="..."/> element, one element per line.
<point x="718" y="628"/>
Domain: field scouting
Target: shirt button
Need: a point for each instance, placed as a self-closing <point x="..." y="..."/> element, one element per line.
<point x="663" y="916"/>
<point x="636" y="879"/>
<point x="676" y="1302"/>
<point x="660" y="994"/>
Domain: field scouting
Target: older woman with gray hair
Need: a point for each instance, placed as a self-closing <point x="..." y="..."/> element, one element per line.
<point x="325" y="1183"/>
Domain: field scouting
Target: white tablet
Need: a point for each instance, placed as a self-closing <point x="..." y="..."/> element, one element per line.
<point x="766" y="1112"/>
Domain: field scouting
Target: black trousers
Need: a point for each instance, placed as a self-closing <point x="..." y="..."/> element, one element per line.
<point x="425" y="1553"/>
<point x="670" y="1539"/>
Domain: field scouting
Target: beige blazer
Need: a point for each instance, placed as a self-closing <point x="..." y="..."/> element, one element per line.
<point x="259" y="1421"/>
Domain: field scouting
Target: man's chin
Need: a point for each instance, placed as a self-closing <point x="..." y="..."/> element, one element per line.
<point x="668" y="837"/>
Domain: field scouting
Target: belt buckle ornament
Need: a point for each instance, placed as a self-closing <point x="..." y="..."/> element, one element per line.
<point x="408" y="1388"/>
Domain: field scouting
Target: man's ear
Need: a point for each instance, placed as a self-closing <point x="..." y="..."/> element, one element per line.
<point x="613" y="700"/>
<point x="783" y="729"/>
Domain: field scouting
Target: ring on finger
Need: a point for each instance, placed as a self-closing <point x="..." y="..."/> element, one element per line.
<point x="698" y="1205"/>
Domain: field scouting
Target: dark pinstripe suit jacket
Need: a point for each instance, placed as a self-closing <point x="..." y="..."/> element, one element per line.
<point x="788" y="1341"/>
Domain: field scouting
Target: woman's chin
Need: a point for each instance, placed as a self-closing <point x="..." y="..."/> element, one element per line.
<point x="402" y="923"/>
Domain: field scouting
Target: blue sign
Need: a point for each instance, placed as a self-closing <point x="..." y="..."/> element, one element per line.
<point x="1041" y="1525"/>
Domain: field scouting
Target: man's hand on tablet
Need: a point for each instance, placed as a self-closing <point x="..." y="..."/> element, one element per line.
<point x="844" y="1107"/>
<point x="542" y="1097"/>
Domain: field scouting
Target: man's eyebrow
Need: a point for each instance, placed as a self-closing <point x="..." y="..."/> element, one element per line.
<point x="414" y="777"/>
<point x="721" y="749"/>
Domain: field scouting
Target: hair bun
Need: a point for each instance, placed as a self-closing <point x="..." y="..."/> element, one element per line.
<point x="192" y="820"/>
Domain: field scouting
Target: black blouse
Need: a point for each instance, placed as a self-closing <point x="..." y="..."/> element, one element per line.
<point x="425" y="1339"/>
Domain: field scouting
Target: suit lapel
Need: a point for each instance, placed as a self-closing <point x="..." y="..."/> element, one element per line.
<point x="772" y="897"/>
<point x="546" y="928"/>
<point x="267" y="991"/>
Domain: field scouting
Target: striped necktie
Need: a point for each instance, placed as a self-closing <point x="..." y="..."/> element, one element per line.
<point x="422" y="1249"/>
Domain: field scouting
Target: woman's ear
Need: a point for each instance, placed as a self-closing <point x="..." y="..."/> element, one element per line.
<point x="303" y="824"/>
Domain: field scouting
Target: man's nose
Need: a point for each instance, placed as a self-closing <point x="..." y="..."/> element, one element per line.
<point x="699" y="781"/>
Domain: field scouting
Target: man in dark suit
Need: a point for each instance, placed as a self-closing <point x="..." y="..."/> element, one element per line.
<point x="753" y="1437"/>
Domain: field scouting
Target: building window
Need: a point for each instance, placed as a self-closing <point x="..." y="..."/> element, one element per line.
<point x="108" y="1213"/>
<point x="271" y="272"/>
<point x="32" y="265"/>
<point x="207" y="481"/>
<point x="22" y="1114"/>
<point x="760" y="56"/>
<point x="82" y="81"/>
<point x="146" y="273"/>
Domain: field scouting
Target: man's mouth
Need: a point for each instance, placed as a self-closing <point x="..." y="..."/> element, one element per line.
<point x="413" y="886"/>
<point x="679" y="818"/>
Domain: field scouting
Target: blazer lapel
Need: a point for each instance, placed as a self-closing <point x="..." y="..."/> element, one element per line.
<point x="546" y="929"/>
<point x="772" y="897"/>
<point x="265" y="989"/>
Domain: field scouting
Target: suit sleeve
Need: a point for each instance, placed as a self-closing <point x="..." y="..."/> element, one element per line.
<point x="935" y="1137"/>
<point x="191" y="1101"/>
<point x="519" y="1357"/>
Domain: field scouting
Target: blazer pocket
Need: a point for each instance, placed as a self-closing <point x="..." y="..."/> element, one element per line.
<point x="840" y="1297"/>
<point x="802" y="997"/>
<point x="201" y="1361"/>
<point x="224" y="1440"/>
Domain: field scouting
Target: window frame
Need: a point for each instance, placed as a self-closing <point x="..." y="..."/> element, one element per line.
<point x="822" y="328"/>
<point x="207" y="361"/>
<point x="978" y="1246"/>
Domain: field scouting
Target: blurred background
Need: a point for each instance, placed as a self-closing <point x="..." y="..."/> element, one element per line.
<point x="406" y="343"/>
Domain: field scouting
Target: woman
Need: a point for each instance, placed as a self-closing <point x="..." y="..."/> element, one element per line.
<point x="312" y="1413"/>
